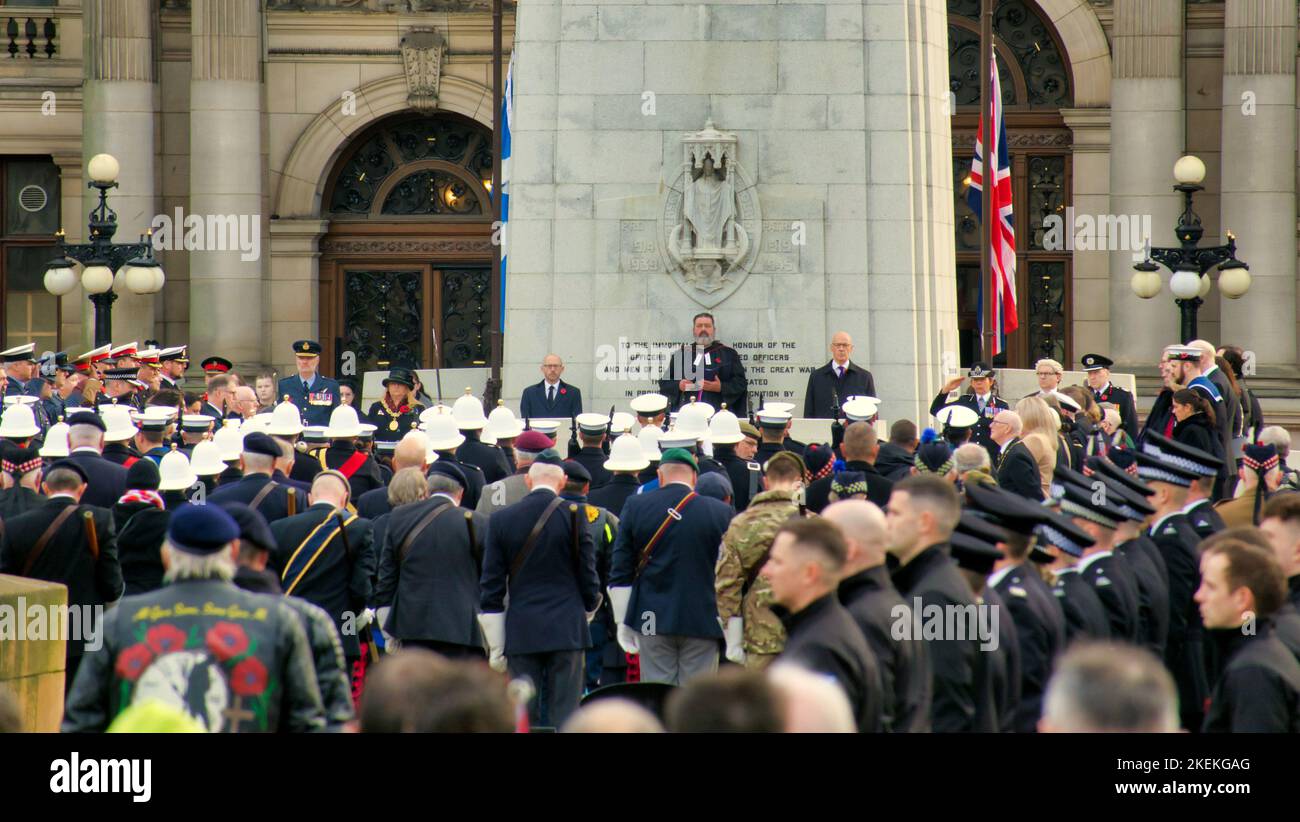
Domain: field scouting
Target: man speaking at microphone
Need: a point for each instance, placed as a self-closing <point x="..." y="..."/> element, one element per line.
<point x="707" y="371"/>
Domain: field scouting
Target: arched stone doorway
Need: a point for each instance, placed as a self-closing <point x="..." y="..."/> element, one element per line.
<point x="405" y="264"/>
<point x="1037" y="85"/>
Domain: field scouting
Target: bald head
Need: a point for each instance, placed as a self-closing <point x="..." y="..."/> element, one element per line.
<point x="841" y="347"/>
<point x="612" y="716"/>
<point x="811" y="703"/>
<point x="552" y="367"/>
<point x="331" y="487"/>
<point x="411" y="452"/>
<point x="863" y="527"/>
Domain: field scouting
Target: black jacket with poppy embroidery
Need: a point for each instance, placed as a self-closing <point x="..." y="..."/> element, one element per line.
<point x="233" y="661"/>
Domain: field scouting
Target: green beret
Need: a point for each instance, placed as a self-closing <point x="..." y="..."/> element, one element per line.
<point x="679" y="455"/>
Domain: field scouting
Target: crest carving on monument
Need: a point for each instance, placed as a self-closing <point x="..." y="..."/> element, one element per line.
<point x="710" y="225"/>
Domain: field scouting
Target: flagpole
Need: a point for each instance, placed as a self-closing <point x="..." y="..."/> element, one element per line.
<point x="493" y="392"/>
<point x="990" y="176"/>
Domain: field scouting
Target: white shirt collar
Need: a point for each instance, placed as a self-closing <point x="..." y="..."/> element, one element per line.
<point x="1090" y="559"/>
<point x="92" y="449"/>
<point x="1189" y="506"/>
<point x="984" y="398"/>
<point x="1104" y="388"/>
<point x="1006" y="445"/>
<point x="846" y="365"/>
<point x="997" y="576"/>
<point x="1155" y="526"/>
<point x="62" y="495"/>
<point x="555" y="384"/>
<point x="682" y="482"/>
<point x="444" y="495"/>
<point x="545" y="488"/>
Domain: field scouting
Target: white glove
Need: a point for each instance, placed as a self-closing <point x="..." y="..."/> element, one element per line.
<point x="618" y="600"/>
<point x="735" y="636"/>
<point x="627" y="639"/>
<point x="494" y="632"/>
<point x="381" y="617"/>
<point x="365" y="618"/>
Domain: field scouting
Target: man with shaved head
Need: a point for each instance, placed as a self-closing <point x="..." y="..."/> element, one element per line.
<point x="830" y="386"/>
<point x="875" y="604"/>
<point x="412" y="452"/>
<point x="552" y="398"/>
<point x="325" y="556"/>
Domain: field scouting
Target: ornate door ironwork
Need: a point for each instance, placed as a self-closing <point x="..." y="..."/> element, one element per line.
<point x="466" y="316"/>
<point x="383" y="317"/>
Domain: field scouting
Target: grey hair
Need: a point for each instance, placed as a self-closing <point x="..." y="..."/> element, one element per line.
<point x="258" y="462"/>
<point x="180" y="565"/>
<point x="523" y="458"/>
<point x="543" y="473"/>
<point x="1109" y="687"/>
<point x="407" y="486"/>
<point x="970" y="457"/>
<point x="79" y="436"/>
<point x="1278" y="437"/>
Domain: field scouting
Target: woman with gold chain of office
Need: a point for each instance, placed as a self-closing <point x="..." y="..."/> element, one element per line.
<point x="397" y="411"/>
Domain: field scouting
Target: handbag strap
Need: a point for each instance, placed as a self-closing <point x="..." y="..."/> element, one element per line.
<point x="674" y="514"/>
<point x="522" y="556"/>
<point x="39" y="548"/>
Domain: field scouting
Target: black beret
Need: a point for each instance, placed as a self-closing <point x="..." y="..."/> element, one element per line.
<point x="201" y="529"/>
<point x="448" y="469"/>
<point x="252" y="525"/>
<point x="85" y="416"/>
<point x="69" y="465"/>
<point x="575" y="470"/>
<point x="143" y="475"/>
<point x="260" y="443"/>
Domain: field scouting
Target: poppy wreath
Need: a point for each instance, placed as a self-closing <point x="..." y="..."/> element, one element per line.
<point x="226" y="640"/>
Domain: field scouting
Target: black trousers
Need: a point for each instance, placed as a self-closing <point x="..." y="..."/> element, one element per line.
<point x="557" y="676"/>
<point x="448" y="649"/>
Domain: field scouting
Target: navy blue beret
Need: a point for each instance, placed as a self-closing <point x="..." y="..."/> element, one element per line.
<point x="201" y="529"/>
<point x="448" y="469"/>
<point x="68" y="465"/>
<point x="575" y="470"/>
<point x="259" y="443"/>
<point x="86" y="417"/>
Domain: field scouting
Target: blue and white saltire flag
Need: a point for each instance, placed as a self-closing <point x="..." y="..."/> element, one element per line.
<point x="507" y="116"/>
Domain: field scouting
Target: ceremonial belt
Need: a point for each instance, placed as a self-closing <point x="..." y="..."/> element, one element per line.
<point x="674" y="514"/>
<point x="129" y="461"/>
<point x="270" y="486"/>
<point x="353" y="462"/>
<point x="39" y="548"/>
<point x="310" y="550"/>
<point x="522" y="556"/>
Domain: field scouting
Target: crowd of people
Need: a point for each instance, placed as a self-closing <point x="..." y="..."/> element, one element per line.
<point x="288" y="563"/>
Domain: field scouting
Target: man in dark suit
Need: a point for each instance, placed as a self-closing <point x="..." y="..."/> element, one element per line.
<point x="552" y="398"/>
<point x="662" y="588"/>
<point x="980" y="399"/>
<point x="860" y="448"/>
<point x="922" y="513"/>
<point x="67" y="554"/>
<point x="872" y="600"/>
<point x="553" y="591"/>
<point x="830" y="386"/>
<point x="706" y="370"/>
<point x="256" y="488"/>
<point x="1097" y="370"/>
<point x="105" y="481"/>
<point x="1016" y="469"/>
<point x="803" y="569"/>
<point x="316" y="396"/>
<point x="325" y="556"/>
<point x="429" y="568"/>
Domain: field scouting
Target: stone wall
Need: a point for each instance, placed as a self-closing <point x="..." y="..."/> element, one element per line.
<point x="32" y="669"/>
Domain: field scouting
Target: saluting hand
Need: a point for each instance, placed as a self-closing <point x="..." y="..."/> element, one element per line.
<point x="952" y="384"/>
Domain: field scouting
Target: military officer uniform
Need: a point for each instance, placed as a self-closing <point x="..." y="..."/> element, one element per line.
<point x="1110" y="575"/>
<point x="592" y="457"/>
<point x="316" y="397"/>
<point x="328" y="566"/>
<point x="770" y="421"/>
<point x="986" y="407"/>
<point x="1113" y="394"/>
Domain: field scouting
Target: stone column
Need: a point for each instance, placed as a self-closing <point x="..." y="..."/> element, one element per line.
<point x="1091" y="272"/>
<point x="1147" y="131"/>
<point x="119" y="111"/>
<point x="1258" y="178"/>
<point x="226" y="180"/>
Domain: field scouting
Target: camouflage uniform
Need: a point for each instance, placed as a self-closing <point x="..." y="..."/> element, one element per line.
<point x="744" y="549"/>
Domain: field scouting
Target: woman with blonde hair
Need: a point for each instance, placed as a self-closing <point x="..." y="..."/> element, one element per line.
<point x="1040" y="432"/>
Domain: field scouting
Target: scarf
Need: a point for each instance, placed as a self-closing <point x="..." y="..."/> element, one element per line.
<point x="143" y="495"/>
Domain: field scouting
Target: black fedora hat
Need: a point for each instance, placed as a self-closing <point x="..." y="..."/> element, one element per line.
<point x="401" y="376"/>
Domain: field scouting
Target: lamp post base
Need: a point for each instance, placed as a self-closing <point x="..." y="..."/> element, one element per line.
<point x="1188" y="310"/>
<point x="103" y="317"/>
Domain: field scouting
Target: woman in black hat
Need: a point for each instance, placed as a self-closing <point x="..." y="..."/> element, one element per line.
<point x="397" y="412"/>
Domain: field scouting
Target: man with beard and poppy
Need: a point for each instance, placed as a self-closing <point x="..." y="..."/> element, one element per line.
<point x="706" y="370"/>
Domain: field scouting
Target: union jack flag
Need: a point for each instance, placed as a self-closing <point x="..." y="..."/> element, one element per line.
<point x="1003" y="250"/>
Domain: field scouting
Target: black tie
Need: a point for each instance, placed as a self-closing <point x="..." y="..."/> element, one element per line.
<point x="306" y="389"/>
<point x="550" y="394"/>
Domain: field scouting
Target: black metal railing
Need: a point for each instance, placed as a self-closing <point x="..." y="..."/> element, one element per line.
<point x="31" y="37"/>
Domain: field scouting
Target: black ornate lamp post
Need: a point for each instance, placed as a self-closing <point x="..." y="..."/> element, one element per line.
<point x="1191" y="265"/>
<point x="105" y="265"/>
